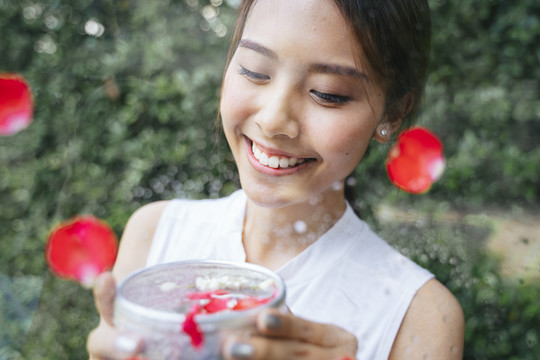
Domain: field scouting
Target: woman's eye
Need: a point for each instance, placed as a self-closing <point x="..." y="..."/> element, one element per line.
<point x="254" y="76"/>
<point x="330" y="98"/>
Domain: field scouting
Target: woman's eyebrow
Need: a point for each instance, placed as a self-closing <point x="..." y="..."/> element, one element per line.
<point x="249" y="44"/>
<point x="318" y="68"/>
<point x="338" y="70"/>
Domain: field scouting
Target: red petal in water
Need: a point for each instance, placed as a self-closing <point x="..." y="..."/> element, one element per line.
<point x="16" y="104"/>
<point x="215" y="305"/>
<point x="81" y="248"/>
<point x="249" y="303"/>
<point x="415" y="161"/>
<point x="191" y="328"/>
<point x="205" y="294"/>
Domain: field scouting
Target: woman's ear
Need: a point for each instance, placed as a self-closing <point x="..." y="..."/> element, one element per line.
<point x="392" y="123"/>
<point x="385" y="129"/>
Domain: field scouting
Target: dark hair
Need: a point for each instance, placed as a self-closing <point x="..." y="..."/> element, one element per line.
<point x="395" y="36"/>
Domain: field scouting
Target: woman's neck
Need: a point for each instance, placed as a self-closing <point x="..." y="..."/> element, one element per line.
<point x="273" y="236"/>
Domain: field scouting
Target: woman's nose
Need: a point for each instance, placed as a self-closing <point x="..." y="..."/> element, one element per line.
<point x="278" y="113"/>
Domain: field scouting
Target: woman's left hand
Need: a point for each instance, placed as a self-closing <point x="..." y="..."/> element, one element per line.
<point x="286" y="337"/>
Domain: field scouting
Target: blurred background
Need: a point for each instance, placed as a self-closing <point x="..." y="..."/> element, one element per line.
<point x="126" y="96"/>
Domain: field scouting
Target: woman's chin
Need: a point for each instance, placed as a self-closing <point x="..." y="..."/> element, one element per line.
<point x="270" y="197"/>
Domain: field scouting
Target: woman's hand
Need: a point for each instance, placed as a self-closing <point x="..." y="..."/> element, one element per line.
<point x="106" y="342"/>
<point x="285" y="336"/>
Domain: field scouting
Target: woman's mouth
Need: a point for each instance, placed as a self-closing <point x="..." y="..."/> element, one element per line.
<point x="276" y="161"/>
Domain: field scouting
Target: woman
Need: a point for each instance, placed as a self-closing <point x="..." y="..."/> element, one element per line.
<point x="308" y="85"/>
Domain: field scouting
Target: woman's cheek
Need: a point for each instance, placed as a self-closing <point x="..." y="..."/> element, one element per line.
<point x="236" y="102"/>
<point x="344" y="137"/>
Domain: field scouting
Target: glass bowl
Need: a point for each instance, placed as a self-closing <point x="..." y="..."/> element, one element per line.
<point x="154" y="302"/>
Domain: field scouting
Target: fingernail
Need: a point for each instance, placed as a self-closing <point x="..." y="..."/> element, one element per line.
<point x="241" y="351"/>
<point x="125" y="344"/>
<point x="272" y="322"/>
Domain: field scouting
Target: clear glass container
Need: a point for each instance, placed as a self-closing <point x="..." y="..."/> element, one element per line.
<point x="151" y="302"/>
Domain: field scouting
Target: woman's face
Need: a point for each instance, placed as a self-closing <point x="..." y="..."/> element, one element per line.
<point x="297" y="112"/>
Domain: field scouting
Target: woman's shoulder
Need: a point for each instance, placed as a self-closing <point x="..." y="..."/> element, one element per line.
<point x="176" y="206"/>
<point x="146" y="219"/>
<point x="137" y="238"/>
<point x="433" y="326"/>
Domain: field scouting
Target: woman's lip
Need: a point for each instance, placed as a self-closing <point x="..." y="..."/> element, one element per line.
<point x="273" y="171"/>
<point x="274" y="152"/>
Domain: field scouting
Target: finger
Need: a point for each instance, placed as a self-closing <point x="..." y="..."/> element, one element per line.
<point x="106" y="342"/>
<point x="271" y="322"/>
<point x="258" y="348"/>
<point x="104" y="293"/>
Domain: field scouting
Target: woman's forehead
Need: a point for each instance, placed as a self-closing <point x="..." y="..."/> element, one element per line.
<point x="316" y="25"/>
<point x="313" y="29"/>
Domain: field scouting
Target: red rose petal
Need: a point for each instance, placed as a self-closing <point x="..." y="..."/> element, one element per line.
<point x="205" y="294"/>
<point x="191" y="328"/>
<point x="81" y="249"/>
<point x="216" y="305"/>
<point x="250" y="302"/>
<point x="16" y="104"/>
<point x="415" y="161"/>
<point x="210" y="302"/>
<point x="247" y="303"/>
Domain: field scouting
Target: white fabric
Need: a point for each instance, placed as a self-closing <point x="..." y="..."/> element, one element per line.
<point x="349" y="276"/>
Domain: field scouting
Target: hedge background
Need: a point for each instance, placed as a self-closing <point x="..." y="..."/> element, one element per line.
<point x="126" y="97"/>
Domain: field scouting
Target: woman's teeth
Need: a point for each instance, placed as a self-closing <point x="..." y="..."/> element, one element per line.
<point x="274" y="161"/>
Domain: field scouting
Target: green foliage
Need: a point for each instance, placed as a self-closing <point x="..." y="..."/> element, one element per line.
<point x="502" y="316"/>
<point x="482" y="99"/>
<point x="128" y="116"/>
<point x="121" y="119"/>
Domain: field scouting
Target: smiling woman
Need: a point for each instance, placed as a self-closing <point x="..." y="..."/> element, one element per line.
<point x="128" y="118"/>
<point x="307" y="86"/>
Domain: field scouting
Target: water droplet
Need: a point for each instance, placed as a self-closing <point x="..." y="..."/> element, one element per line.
<point x="94" y="28"/>
<point x="351" y="181"/>
<point x="338" y="185"/>
<point x="300" y="227"/>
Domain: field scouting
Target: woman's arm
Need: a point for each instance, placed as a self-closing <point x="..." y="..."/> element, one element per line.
<point x="287" y="337"/>
<point x="105" y="341"/>
<point x="137" y="239"/>
<point x="433" y="327"/>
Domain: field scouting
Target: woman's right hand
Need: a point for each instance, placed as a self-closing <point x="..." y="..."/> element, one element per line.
<point x="105" y="341"/>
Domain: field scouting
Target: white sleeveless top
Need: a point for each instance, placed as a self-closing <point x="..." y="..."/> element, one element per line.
<point x="348" y="277"/>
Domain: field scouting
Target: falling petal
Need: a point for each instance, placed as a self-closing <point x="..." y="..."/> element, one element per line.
<point x="16" y="104"/>
<point x="81" y="249"/>
<point x="415" y="161"/>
